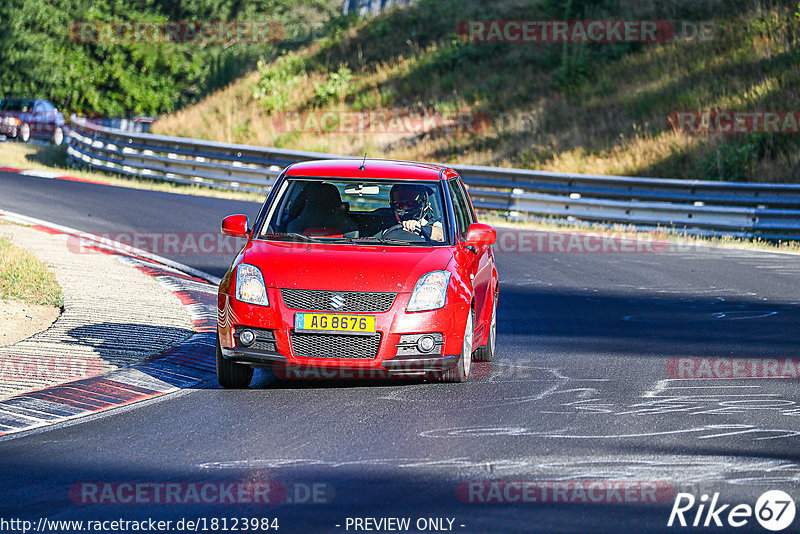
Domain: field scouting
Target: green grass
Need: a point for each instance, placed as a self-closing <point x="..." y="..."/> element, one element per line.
<point x="24" y="277"/>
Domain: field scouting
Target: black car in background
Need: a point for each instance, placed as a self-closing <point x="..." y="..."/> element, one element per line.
<point x="26" y="118"/>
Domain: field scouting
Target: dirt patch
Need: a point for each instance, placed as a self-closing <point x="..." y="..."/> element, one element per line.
<point x="21" y="320"/>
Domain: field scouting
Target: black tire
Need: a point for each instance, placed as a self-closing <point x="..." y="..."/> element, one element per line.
<point x="24" y="133"/>
<point x="232" y="375"/>
<point x="58" y="136"/>
<point x="460" y="373"/>
<point x="486" y="353"/>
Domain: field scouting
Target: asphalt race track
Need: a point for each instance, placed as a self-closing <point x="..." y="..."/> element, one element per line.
<point x="580" y="392"/>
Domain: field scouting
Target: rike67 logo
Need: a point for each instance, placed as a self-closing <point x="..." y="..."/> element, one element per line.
<point x="774" y="510"/>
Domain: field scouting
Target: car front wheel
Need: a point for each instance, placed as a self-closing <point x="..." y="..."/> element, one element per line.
<point x="58" y="136"/>
<point x="232" y="375"/>
<point x="460" y="373"/>
<point x="24" y="134"/>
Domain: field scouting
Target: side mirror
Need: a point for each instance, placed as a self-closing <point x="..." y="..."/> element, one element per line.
<point x="480" y="235"/>
<point x="235" y="225"/>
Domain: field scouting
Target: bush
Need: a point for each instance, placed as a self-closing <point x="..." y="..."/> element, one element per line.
<point x="42" y="59"/>
<point x="735" y="160"/>
<point x="728" y="162"/>
<point x="276" y="82"/>
<point x="336" y="87"/>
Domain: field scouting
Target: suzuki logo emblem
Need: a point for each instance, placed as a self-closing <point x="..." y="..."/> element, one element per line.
<point x="337" y="301"/>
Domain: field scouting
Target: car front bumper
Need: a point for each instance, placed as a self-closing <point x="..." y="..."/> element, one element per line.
<point x="8" y="131"/>
<point x="395" y="357"/>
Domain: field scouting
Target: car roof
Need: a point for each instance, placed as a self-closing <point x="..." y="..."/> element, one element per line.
<point x="374" y="169"/>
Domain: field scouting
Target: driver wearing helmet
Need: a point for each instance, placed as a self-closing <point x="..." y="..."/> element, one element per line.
<point x="412" y="207"/>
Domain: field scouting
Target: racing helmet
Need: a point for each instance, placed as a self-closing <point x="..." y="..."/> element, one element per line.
<point x="410" y="201"/>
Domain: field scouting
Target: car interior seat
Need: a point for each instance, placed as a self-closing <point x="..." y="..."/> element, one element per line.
<point x="323" y="213"/>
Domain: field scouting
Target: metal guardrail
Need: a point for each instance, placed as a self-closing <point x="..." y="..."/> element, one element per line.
<point x="362" y="7"/>
<point x="139" y="124"/>
<point x="769" y="211"/>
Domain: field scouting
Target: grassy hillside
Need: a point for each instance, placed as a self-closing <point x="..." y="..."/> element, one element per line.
<point x="596" y="108"/>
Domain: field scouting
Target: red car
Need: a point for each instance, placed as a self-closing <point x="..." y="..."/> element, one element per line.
<point x="359" y="269"/>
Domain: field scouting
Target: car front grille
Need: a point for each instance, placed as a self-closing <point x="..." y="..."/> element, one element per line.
<point x="337" y="301"/>
<point x="265" y="346"/>
<point x="336" y="346"/>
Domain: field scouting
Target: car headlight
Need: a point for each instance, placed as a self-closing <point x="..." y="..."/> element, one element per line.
<point x="250" y="285"/>
<point x="430" y="292"/>
<point x="11" y="121"/>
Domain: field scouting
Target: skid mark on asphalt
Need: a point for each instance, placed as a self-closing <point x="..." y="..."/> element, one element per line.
<point x="549" y="380"/>
<point x="700" y="432"/>
<point x="672" y="396"/>
<point x="685" y="473"/>
<point x="694" y="398"/>
<point x="668" y="396"/>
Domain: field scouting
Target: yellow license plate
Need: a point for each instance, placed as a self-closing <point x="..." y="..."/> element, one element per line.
<point x="326" y="322"/>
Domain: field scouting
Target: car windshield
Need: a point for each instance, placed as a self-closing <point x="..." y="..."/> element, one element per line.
<point x="16" y="105"/>
<point x="392" y="212"/>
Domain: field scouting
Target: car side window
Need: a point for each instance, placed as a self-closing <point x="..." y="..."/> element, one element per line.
<point x="460" y="208"/>
<point x="38" y="108"/>
<point x="467" y="203"/>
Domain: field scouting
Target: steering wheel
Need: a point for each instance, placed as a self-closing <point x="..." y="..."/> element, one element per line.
<point x="398" y="232"/>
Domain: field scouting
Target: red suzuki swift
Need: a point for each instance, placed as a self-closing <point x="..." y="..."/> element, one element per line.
<point x="359" y="269"/>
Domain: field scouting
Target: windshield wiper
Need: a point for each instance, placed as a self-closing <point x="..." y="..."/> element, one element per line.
<point x="294" y="236"/>
<point x="381" y="240"/>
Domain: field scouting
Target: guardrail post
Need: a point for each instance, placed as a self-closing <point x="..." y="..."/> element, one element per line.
<point x="514" y="201"/>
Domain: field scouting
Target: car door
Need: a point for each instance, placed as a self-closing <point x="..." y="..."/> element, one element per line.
<point x="478" y="263"/>
<point x="483" y="276"/>
<point x="50" y="119"/>
<point x="39" y="120"/>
